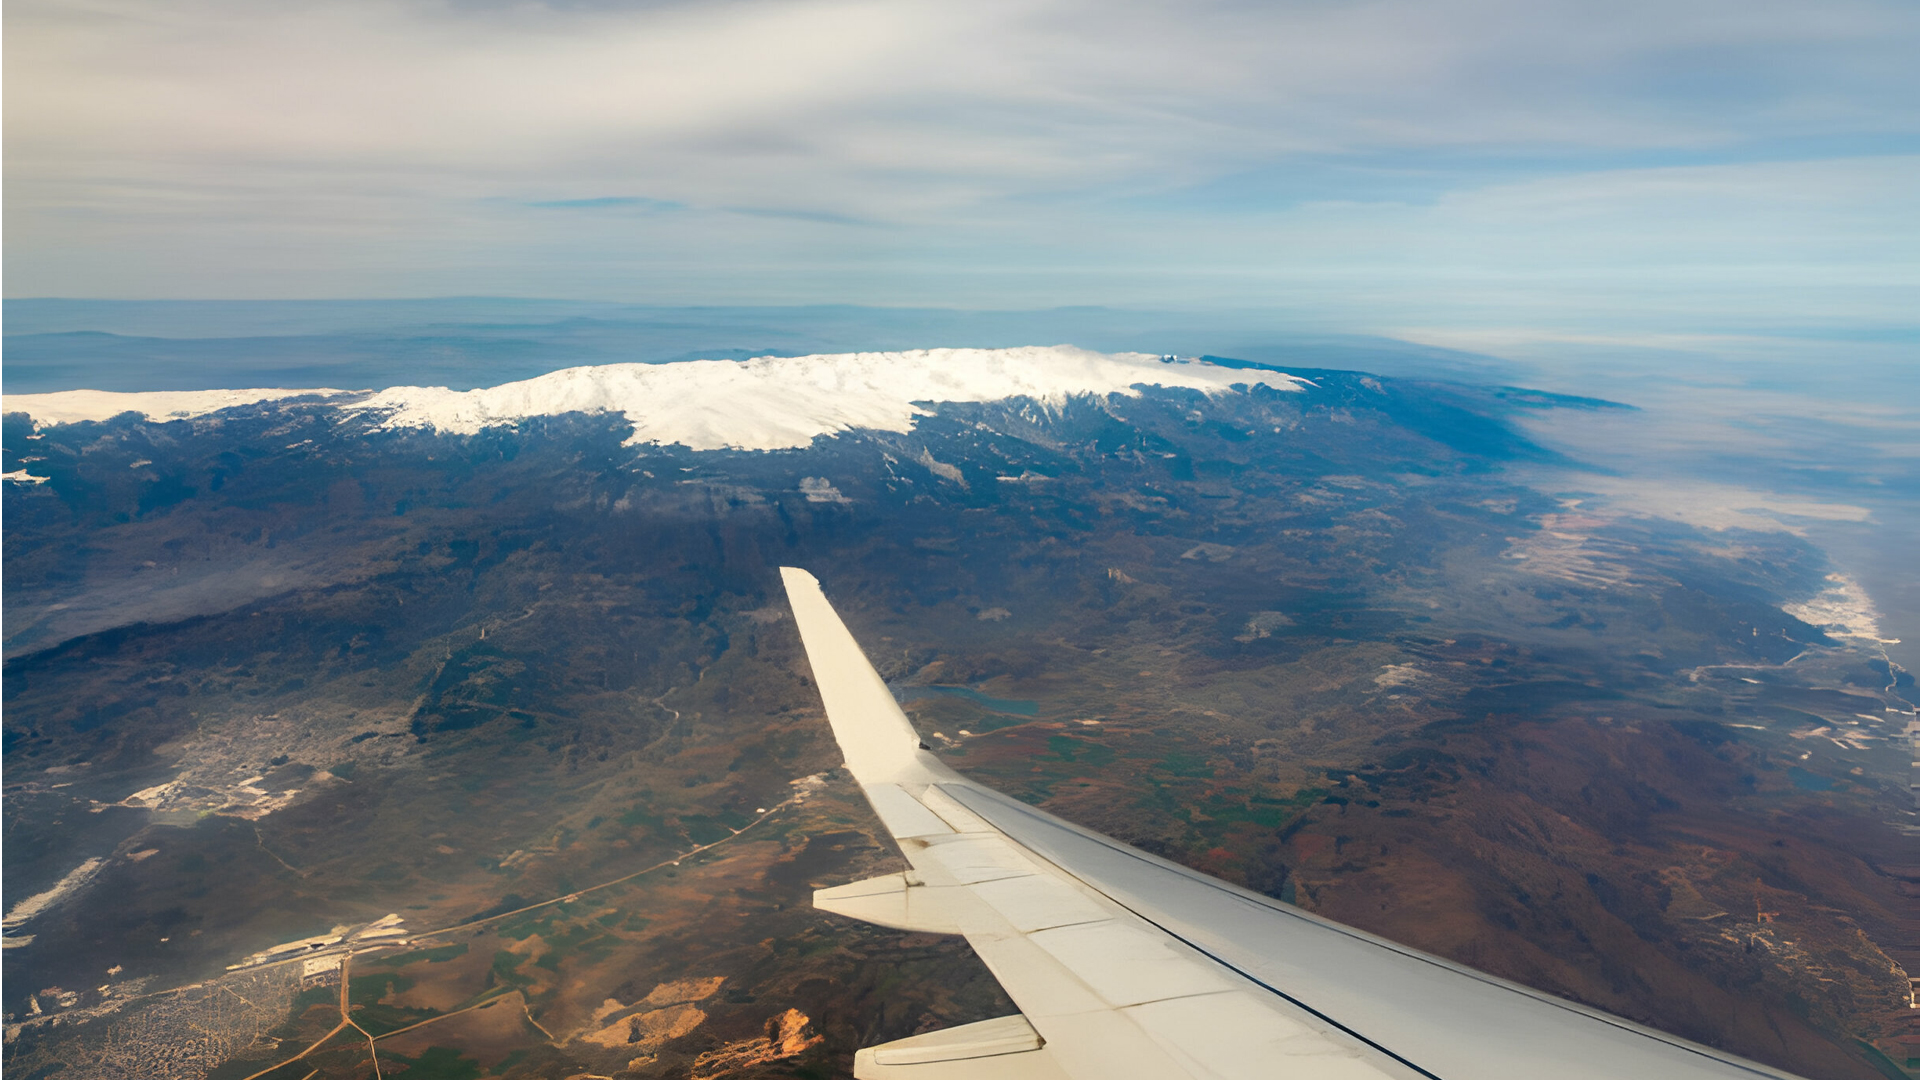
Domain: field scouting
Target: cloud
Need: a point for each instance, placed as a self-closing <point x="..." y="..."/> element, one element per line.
<point x="603" y="202"/>
<point x="233" y="145"/>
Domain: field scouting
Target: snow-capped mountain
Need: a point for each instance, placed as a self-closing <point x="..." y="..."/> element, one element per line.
<point x="76" y="406"/>
<point x="768" y="403"/>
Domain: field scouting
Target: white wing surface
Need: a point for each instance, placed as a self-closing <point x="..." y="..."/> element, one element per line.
<point x="1127" y="966"/>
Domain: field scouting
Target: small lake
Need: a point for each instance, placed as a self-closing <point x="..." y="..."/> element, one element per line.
<point x="1001" y="705"/>
<point x="1807" y="781"/>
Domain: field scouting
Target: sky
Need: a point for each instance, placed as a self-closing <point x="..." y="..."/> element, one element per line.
<point x="1628" y="167"/>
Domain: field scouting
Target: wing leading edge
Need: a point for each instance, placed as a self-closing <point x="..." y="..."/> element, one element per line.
<point x="1127" y="966"/>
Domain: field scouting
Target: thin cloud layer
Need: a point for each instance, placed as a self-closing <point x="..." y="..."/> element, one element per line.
<point x="913" y="152"/>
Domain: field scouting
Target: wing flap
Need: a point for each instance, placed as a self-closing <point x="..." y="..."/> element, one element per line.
<point x="1234" y="1034"/>
<point x="1006" y="1048"/>
<point x="903" y="815"/>
<point x="988" y="1038"/>
<point x="1127" y="965"/>
<point x="894" y="900"/>
<point x="1039" y="902"/>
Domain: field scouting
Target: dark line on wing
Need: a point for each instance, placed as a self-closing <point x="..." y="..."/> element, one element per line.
<point x="1115" y="846"/>
<point x="1257" y="981"/>
<point x="1272" y="989"/>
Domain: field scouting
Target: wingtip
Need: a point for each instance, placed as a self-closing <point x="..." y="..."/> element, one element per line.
<point x="877" y="739"/>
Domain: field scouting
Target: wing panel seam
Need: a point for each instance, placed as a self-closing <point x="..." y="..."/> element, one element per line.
<point x="1432" y="962"/>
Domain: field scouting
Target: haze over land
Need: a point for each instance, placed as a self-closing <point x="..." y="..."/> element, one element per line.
<point x="1722" y="421"/>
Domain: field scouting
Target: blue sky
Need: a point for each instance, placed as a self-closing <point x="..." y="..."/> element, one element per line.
<point x="1681" y="166"/>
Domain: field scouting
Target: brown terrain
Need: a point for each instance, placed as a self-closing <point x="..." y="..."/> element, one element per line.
<point x="537" y="696"/>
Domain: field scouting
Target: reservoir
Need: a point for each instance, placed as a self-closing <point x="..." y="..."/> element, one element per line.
<point x="993" y="704"/>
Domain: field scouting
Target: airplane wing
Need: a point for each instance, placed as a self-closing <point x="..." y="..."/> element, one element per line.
<point x="1128" y="966"/>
